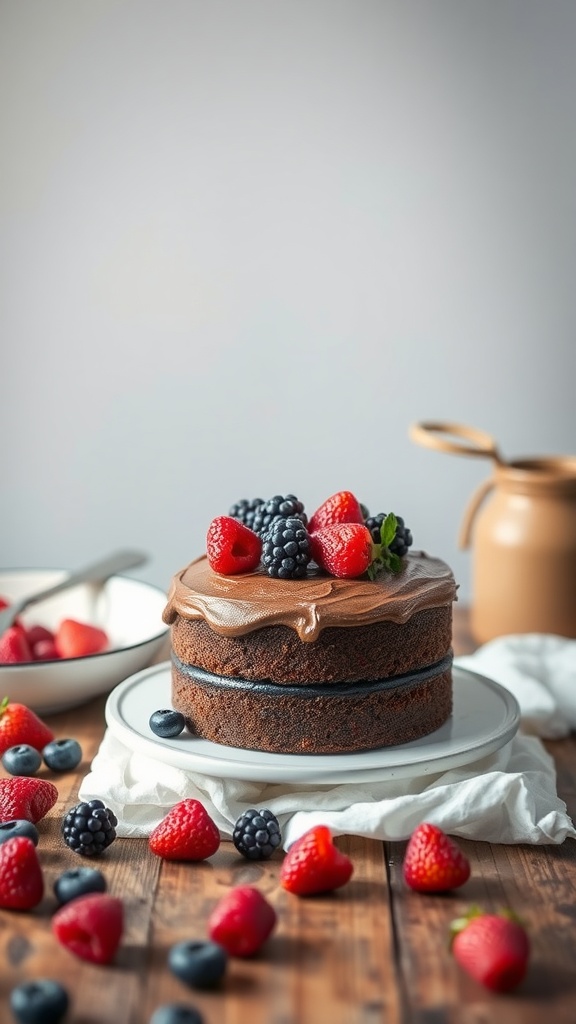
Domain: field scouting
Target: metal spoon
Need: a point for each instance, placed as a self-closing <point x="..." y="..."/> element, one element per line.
<point x="98" y="572"/>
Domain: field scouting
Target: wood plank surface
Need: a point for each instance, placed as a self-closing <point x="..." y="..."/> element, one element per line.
<point x="372" y="953"/>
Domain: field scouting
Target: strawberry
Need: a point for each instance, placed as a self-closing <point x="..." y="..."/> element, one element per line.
<point x="36" y="633"/>
<point x="242" y="921"/>
<point x="26" y="797"/>
<point x="77" y="639"/>
<point x="187" y="832"/>
<point x="342" y="507"/>
<point x="313" y="864"/>
<point x="231" y="547"/>
<point x="19" y="724"/>
<point x="493" y="948"/>
<point x="90" y="927"/>
<point x="344" y="549"/>
<point x="433" y="861"/>
<point x="45" y="650"/>
<point x="21" y="881"/>
<point x="14" y="646"/>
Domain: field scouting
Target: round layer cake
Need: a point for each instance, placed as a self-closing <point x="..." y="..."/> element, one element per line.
<point x="315" y="665"/>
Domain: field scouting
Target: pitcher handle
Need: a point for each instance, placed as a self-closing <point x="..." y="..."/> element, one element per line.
<point x="470" y="513"/>
<point x="437" y="435"/>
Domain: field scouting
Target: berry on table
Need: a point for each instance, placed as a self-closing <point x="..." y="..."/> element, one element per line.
<point x="231" y="547"/>
<point x="21" y="880"/>
<point x="314" y="864"/>
<point x="433" y="861"/>
<point x="41" y="1001"/>
<point x="493" y="948"/>
<point x="342" y="507"/>
<point x="89" y="828"/>
<point x="21" y="760"/>
<point x="257" y="834"/>
<point x="78" y="882"/>
<point x="244" y="511"/>
<point x="62" y="755"/>
<point x="198" y="964"/>
<point x="187" y="832"/>
<point x="280" y="506"/>
<point x="26" y="797"/>
<point x="242" y="921"/>
<point x="402" y="539"/>
<point x="286" y="549"/>
<point x="18" y="827"/>
<point x="90" y="927"/>
<point x="167" y="723"/>
<point x="19" y="724"/>
<point x="176" y="1013"/>
<point x="344" y="550"/>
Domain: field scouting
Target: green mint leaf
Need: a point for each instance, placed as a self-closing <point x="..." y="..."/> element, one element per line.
<point x="388" y="530"/>
<point x="394" y="562"/>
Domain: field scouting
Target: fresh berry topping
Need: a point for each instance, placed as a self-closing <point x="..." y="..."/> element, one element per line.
<point x="402" y="539"/>
<point x="89" y="828"/>
<point x="21" y="881"/>
<point x="286" y="549"/>
<point x="198" y="964"/>
<point x="176" y="1013"/>
<point x="14" y="646"/>
<point x="90" y="927"/>
<point x="231" y="547"/>
<point x="62" y="755"/>
<point x="18" y="827"/>
<point x="21" y="760"/>
<point x="257" y="834"/>
<point x="187" y="832"/>
<point x="242" y="921"/>
<point x="78" y="882"/>
<point x="42" y="1001"/>
<point x="167" y="723"/>
<point x="493" y="948"/>
<point x="244" y="511"/>
<point x="314" y="864"/>
<point x="280" y="506"/>
<point x="342" y="507"/>
<point x="19" y="724"/>
<point x="78" y="639"/>
<point x="344" y="550"/>
<point x="433" y="861"/>
<point x="23" y="797"/>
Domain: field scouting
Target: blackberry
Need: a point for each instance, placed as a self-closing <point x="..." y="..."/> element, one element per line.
<point x="245" y="511"/>
<point x="287" y="507"/>
<point x="402" y="539"/>
<point x="286" y="549"/>
<point x="257" y="834"/>
<point x="89" y="828"/>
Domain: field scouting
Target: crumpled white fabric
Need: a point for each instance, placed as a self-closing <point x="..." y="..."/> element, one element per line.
<point x="508" y="797"/>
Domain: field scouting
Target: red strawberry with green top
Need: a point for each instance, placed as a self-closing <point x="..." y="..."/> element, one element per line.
<point x="314" y="864"/>
<point x="21" y="881"/>
<point x="90" y="927"/>
<point x="433" y="861"/>
<point x="231" y="547"/>
<point x="493" y="948"/>
<point x="14" y="646"/>
<point x="75" y="639"/>
<point x="242" y="921"/>
<point x="23" y="796"/>
<point x="342" y="507"/>
<point x="187" y="832"/>
<point x="344" y="550"/>
<point x="19" y="724"/>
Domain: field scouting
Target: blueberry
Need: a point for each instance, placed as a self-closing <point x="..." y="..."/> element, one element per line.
<point x="176" y="1013"/>
<point x="18" y="827"/>
<point x="42" y="1001"/>
<point x="199" y="964"/>
<point x="21" y="760"/>
<point x="78" y="882"/>
<point x="62" y="755"/>
<point x="167" y="723"/>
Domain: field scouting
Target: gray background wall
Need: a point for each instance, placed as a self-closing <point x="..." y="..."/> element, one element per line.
<point x="245" y="244"/>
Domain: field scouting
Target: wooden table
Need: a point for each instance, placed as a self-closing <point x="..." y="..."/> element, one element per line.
<point x="372" y="953"/>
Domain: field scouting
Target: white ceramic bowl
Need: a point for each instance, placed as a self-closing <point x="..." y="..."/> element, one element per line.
<point x="129" y="611"/>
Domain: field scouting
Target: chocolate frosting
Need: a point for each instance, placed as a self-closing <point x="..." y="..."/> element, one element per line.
<point x="235" y="605"/>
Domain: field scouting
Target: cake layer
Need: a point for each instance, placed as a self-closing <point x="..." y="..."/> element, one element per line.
<point x="316" y="719"/>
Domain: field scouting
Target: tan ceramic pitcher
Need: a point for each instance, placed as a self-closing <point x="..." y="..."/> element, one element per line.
<point x="521" y="523"/>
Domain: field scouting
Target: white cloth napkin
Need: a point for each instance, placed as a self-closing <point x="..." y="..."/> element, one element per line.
<point x="508" y="797"/>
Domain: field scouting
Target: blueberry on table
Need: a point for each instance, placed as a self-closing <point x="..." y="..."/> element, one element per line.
<point x="78" y="882"/>
<point x="42" y="1001"/>
<point x="167" y="723"/>
<point x="21" y="760"/>
<point x="257" y="834"/>
<point x="198" y="964"/>
<point x="89" y="828"/>
<point x="18" y="827"/>
<point x="62" y="755"/>
<point x="176" y="1013"/>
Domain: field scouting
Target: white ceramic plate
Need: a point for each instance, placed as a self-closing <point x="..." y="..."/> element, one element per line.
<point x="485" y="718"/>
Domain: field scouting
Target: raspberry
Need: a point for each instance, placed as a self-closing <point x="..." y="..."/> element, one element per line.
<point x="285" y="507"/>
<point x="245" y="511"/>
<point x="89" y="828"/>
<point x="402" y="539"/>
<point x="231" y="547"/>
<point x="187" y="832"/>
<point x="286" y="549"/>
<point x="343" y="550"/>
<point x="242" y="921"/>
<point x="90" y="927"/>
<point x="257" y="834"/>
<point x="21" y="881"/>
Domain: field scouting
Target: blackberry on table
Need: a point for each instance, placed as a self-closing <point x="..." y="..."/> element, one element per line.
<point x="88" y="828"/>
<point x="403" y="537"/>
<point x="286" y="549"/>
<point x="245" y="511"/>
<point x="257" y="834"/>
<point x="279" y="506"/>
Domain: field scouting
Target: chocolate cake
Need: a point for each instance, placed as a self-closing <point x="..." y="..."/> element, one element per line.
<point x="315" y="665"/>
